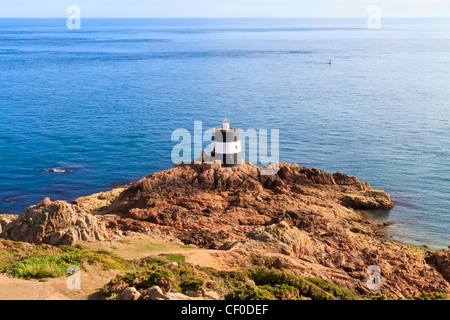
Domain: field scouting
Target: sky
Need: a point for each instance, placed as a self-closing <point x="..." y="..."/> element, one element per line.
<point x="224" y="8"/>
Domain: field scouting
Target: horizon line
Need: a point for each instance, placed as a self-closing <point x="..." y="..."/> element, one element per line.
<point x="243" y="17"/>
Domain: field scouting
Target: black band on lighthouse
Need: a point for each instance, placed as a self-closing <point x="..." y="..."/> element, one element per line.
<point x="227" y="145"/>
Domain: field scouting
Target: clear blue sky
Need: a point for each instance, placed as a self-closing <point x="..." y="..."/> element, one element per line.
<point x="224" y="8"/>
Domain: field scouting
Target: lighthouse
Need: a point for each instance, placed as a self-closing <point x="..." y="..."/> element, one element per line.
<point x="226" y="145"/>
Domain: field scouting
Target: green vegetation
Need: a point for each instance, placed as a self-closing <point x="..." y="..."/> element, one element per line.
<point x="179" y="258"/>
<point x="388" y="296"/>
<point x="44" y="261"/>
<point x="149" y="262"/>
<point x="432" y="296"/>
<point x="167" y="276"/>
<point x="283" y="291"/>
<point x="163" y="259"/>
<point x="421" y="250"/>
<point x="249" y="292"/>
<point x="120" y="282"/>
<point x="377" y="295"/>
<point x="257" y="283"/>
<point x="314" y="288"/>
<point x="266" y="281"/>
<point x="112" y="297"/>
<point x="162" y="278"/>
<point x="338" y="291"/>
<point x="192" y="284"/>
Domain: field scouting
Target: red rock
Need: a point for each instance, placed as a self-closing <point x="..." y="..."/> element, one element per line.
<point x="54" y="222"/>
<point x="441" y="260"/>
<point x="305" y="217"/>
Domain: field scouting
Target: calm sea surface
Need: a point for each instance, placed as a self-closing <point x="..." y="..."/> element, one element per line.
<point x="105" y="99"/>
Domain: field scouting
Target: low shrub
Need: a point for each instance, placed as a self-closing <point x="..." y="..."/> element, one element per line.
<point x="432" y="296"/>
<point x="336" y="290"/>
<point x="192" y="284"/>
<point x="162" y="278"/>
<point x="249" y="292"/>
<point x="316" y="289"/>
<point x="377" y="295"/>
<point x="283" y="291"/>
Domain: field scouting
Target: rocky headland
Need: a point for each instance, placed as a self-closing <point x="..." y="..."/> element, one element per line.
<point x="307" y="221"/>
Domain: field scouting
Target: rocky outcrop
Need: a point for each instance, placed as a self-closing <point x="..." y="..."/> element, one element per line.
<point x="54" y="222"/>
<point x="441" y="260"/>
<point x="344" y="259"/>
<point x="283" y="238"/>
<point x="307" y="218"/>
<point x="5" y="219"/>
<point x="98" y="202"/>
<point x="156" y="293"/>
<point x="209" y="206"/>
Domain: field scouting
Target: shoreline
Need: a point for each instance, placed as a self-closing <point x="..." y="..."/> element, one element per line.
<point x="121" y="185"/>
<point x="306" y="221"/>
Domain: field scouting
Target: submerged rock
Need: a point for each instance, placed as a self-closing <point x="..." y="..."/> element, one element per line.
<point x="58" y="170"/>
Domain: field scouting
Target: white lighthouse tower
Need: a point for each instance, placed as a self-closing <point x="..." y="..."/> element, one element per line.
<point x="226" y="144"/>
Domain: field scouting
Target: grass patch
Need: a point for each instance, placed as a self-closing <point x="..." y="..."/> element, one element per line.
<point x="44" y="261"/>
<point x="179" y="258"/>
<point x="149" y="262"/>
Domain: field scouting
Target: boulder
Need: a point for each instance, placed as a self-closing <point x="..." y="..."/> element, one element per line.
<point x="283" y="238"/>
<point x="98" y="202"/>
<point x="129" y="293"/>
<point x="210" y="295"/>
<point x="55" y="222"/>
<point x="5" y="219"/>
<point x="179" y="296"/>
<point x="441" y="260"/>
<point x="368" y="200"/>
<point x="156" y="293"/>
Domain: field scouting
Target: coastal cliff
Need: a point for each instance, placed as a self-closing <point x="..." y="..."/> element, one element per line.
<point x="307" y="221"/>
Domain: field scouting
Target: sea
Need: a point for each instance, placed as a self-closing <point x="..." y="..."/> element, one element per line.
<point x="103" y="102"/>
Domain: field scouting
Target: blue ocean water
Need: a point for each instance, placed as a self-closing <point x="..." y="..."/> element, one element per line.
<point x="105" y="99"/>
